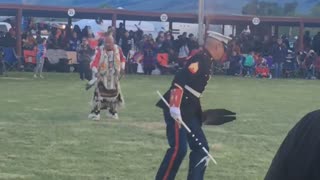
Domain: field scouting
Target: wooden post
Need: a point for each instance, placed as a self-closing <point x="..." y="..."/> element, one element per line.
<point x="170" y="26"/>
<point x="207" y="24"/>
<point x="70" y="21"/>
<point x="233" y="30"/>
<point x="200" y="22"/>
<point x="301" y="32"/>
<point x="18" y="32"/>
<point x="124" y="23"/>
<point x="223" y="29"/>
<point x="114" y="20"/>
<point x="276" y="30"/>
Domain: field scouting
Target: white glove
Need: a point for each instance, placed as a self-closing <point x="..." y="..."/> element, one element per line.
<point x="175" y="113"/>
<point x="94" y="70"/>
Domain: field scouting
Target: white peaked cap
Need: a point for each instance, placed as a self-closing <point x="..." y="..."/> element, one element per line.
<point x="219" y="37"/>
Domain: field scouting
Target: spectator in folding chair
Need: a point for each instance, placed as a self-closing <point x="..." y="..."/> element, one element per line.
<point x="269" y="62"/>
<point x="262" y="70"/>
<point x="30" y="59"/>
<point x="289" y="66"/>
<point x="135" y="64"/>
<point x="10" y="59"/>
<point x="163" y="60"/>
<point x="2" y="65"/>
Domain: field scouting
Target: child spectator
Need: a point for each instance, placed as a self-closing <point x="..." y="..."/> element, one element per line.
<point x="249" y="64"/>
<point x="41" y="54"/>
<point x="262" y="70"/>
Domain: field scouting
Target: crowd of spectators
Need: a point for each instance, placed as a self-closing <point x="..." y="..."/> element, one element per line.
<point x="246" y="55"/>
<point x="162" y="52"/>
<point x="272" y="57"/>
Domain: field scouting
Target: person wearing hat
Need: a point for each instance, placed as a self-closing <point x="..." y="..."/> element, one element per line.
<point x="184" y="99"/>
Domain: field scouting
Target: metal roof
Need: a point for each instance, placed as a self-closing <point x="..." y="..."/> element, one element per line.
<point x="91" y="13"/>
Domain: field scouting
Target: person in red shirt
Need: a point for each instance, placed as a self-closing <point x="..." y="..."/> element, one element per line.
<point x="107" y="66"/>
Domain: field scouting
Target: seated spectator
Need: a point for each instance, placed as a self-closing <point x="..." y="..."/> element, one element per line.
<point x="269" y="61"/>
<point x="289" y="66"/>
<point x="135" y="63"/>
<point x="38" y="37"/>
<point x="257" y="59"/>
<point x="74" y="42"/>
<point x="249" y="64"/>
<point x="235" y="64"/>
<point x="183" y="53"/>
<point x="160" y="39"/>
<point x="29" y="43"/>
<point x="9" y="40"/>
<point x="55" y="39"/>
<point x="77" y="30"/>
<point x="262" y="70"/>
<point x="309" y="64"/>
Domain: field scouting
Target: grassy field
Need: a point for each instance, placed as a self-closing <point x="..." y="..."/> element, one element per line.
<point x="45" y="134"/>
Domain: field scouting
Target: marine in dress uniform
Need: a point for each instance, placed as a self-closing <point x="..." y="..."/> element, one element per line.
<point x="184" y="97"/>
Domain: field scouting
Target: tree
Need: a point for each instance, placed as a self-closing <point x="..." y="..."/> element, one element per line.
<point x="315" y="11"/>
<point x="289" y="9"/>
<point x="269" y="9"/>
<point x="250" y="8"/>
<point x="264" y="8"/>
<point x="104" y="5"/>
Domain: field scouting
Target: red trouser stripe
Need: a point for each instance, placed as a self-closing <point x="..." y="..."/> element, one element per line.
<point x="176" y="148"/>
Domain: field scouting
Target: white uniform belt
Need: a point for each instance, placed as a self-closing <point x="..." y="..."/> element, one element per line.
<point x="192" y="91"/>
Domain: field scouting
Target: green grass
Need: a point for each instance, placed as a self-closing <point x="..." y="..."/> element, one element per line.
<point x="45" y="134"/>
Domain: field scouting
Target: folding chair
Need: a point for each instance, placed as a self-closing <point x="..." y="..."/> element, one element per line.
<point x="163" y="61"/>
<point x="10" y="59"/>
<point x="30" y="59"/>
<point x="73" y="60"/>
<point x="217" y="68"/>
<point x="2" y="65"/>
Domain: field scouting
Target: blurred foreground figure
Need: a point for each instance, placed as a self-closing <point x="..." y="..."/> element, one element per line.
<point x="298" y="158"/>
